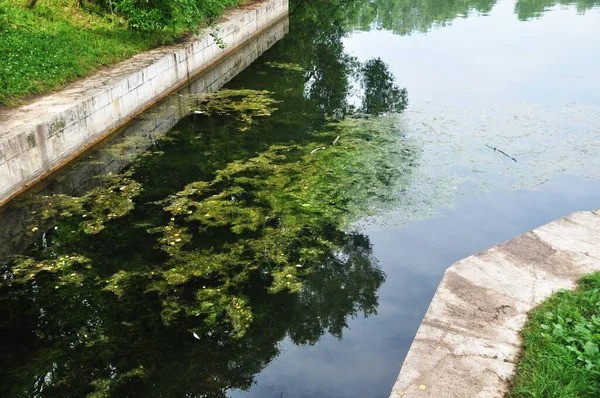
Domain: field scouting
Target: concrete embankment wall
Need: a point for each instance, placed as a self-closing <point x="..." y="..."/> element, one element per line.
<point x="469" y="340"/>
<point x="44" y="135"/>
<point x="115" y="153"/>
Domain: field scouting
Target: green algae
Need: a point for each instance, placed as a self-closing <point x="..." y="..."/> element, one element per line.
<point x="275" y="209"/>
<point x="277" y="205"/>
<point x="66" y="268"/>
<point x="244" y="104"/>
<point x="286" y="66"/>
<point x="223" y="243"/>
<point x="102" y="386"/>
<point x="112" y="200"/>
<point x="213" y="245"/>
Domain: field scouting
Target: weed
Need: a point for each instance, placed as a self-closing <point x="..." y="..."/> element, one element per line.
<point x="560" y="355"/>
<point x="56" y="42"/>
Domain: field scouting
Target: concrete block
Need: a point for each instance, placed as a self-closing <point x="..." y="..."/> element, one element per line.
<point x="135" y="80"/>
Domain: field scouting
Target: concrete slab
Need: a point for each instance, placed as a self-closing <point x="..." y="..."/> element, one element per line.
<point x="469" y="339"/>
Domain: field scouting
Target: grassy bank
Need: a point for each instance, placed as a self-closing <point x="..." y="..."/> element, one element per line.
<point x="560" y="356"/>
<point x="58" y="41"/>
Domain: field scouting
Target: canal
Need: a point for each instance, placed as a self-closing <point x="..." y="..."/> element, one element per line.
<point x="283" y="237"/>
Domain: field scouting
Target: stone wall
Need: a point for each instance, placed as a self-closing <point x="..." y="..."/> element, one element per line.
<point x="44" y="135"/>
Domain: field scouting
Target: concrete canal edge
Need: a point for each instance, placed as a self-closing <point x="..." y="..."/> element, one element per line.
<point x="469" y="340"/>
<point x="44" y="135"/>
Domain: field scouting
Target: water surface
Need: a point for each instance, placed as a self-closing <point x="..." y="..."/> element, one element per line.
<point x="285" y="237"/>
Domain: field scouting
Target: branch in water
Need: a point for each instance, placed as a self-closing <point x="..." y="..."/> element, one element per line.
<point x="502" y="152"/>
<point x="316" y="149"/>
<point x="537" y="185"/>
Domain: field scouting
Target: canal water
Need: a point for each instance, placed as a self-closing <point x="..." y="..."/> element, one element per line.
<point x="285" y="236"/>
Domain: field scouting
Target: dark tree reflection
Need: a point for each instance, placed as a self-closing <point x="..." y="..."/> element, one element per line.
<point x="528" y="9"/>
<point x="380" y="93"/>
<point x="406" y="17"/>
<point x="81" y="341"/>
<point x="347" y="278"/>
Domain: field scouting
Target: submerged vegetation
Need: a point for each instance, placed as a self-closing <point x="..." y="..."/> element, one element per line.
<point x="560" y="355"/>
<point x="181" y="275"/>
<point x="244" y="104"/>
<point x="272" y="225"/>
<point x="273" y="213"/>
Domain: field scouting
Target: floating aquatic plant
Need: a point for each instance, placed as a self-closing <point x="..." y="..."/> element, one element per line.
<point x="286" y="66"/>
<point x="112" y="200"/>
<point x="244" y="105"/>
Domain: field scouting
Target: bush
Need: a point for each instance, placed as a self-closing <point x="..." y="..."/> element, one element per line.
<point x="147" y="15"/>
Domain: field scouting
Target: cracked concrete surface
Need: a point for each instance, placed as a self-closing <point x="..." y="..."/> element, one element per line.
<point x="469" y="339"/>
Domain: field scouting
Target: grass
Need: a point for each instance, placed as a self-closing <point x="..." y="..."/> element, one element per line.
<point x="44" y="48"/>
<point x="560" y="357"/>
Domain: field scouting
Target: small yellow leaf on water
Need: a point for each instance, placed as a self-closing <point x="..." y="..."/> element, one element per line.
<point x="34" y="229"/>
<point x="422" y="387"/>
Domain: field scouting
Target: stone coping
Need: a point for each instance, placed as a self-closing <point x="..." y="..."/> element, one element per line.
<point x="469" y="340"/>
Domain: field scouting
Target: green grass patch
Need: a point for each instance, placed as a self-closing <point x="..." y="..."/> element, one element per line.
<point x="560" y="355"/>
<point x="56" y="42"/>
